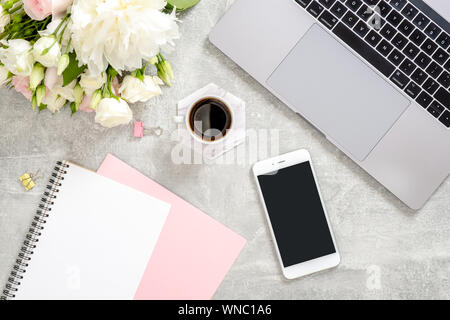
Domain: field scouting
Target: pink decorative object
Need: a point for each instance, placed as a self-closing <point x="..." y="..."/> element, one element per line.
<point x="138" y="129"/>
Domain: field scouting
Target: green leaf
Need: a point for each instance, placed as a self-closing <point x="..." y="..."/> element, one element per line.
<point x="42" y="107"/>
<point x="73" y="108"/>
<point x="181" y="4"/>
<point x="72" y="71"/>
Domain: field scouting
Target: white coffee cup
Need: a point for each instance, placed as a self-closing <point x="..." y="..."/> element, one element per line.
<point x="203" y="108"/>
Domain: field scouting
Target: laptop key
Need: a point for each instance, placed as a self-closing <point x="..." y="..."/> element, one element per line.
<point x="376" y="22"/>
<point x="424" y="99"/>
<point x="430" y="86"/>
<point x="406" y="27"/>
<point x="398" y="4"/>
<point x="447" y="66"/>
<point x="407" y="67"/>
<point x="303" y="3"/>
<point x="394" y="18"/>
<point x="436" y="109"/>
<point x="399" y="41"/>
<point x="363" y="49"/>
<point x="396" y="57"/>
<point x="445" y="118"/>
<point x="411" y="51"/>
<point x="353" y="4"/>
<point x="338" y="9"/>
<point x="429" y="47"/>
<point x="409" y="11"/>
<point x="440" y="56"/>
<point x="328" y="19"/>
<point x="384" y="48"/>
<point x="443" y="96"/>
<point x="413" y="89"/>
<point x="421" y="21"/>
<point x="388" y="32"/>
<point x="371" y="2"/>
<point x="350" y="19"/>
<point x="444" y="79"/>
<point x="422" y="60"/>
<point x="400" y="79"/>
<point x="365" y="12"/>
<point x="432" y="30"/>
<point x="315" y="9"/>
<point x="419" y="76"/>
<point x="361" y="28"/>
<point x="327" y="3"/>
<point x="443" y="40"/>
<point x="384" y="8"/>
<point x="417" y="37"/>
<point x="434" y="70"/>
<point x="373" y="38"/>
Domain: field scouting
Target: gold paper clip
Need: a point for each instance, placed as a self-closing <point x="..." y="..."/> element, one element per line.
<point x="28" y="179"/>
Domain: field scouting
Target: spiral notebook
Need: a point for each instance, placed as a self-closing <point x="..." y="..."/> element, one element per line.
<point x="91" y="238"/>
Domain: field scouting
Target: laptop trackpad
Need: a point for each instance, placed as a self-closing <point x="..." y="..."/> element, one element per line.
<point x="337" y="92"/>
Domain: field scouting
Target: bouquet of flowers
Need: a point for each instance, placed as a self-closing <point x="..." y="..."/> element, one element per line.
<point x="91" y="55"/>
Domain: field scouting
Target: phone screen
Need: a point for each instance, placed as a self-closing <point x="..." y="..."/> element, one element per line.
<point x="296" y="213"/>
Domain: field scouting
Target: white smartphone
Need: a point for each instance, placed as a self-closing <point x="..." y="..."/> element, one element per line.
<point x="296" y="214"/>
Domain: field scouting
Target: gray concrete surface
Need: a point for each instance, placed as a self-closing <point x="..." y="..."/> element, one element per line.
<point x="387" y="250"/>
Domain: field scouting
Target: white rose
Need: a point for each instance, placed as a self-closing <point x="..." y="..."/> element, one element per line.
<point x="3" y="75"/>
<point x="67" y="92"/>
<point x="134" y="89"/>
<point x="90" y="82"/>
<point x="47" y="51"/>
<point x="54" y="102"/>
<point x="112" y="112"/>
<point x="17" y="57"/>
<point x="5" y="19"/>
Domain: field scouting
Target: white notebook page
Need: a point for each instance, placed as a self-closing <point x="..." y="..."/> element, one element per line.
<point x="97" y="241"/>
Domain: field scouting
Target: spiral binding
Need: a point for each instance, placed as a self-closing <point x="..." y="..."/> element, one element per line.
<point x="34" y="232"/>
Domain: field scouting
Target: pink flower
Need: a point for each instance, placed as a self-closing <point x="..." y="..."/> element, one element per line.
<point x="38" y="9"/>
<point x="51" y="77"/>
<point x="85" y="104"/>
<point x="116" y="86"/>
<point x="41" y="9"/>
<point x="22" y="85"/>
<point x="60" y="6"/>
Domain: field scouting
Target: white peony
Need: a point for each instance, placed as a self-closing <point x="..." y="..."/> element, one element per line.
<point x="120" y="32"/>
<point x="47" y="51"/>
<point x="134" y="89"/>
<point x="17" y="56"/>
<point x="112" y="112"/>
<point x="4" y="73"/>
<point x="90" y="82"/>
<point x="5" y="19"/>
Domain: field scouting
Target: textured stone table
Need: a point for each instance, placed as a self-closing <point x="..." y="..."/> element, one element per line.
<point x="388" y="251"/>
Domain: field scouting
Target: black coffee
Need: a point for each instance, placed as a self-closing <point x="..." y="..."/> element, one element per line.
<point x="210" y="119"/>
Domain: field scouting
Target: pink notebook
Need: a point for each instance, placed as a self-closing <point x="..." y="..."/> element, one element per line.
<point x="194" y="252"/>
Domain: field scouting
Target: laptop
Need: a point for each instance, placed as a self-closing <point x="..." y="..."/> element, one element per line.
<point x="373" y="76"/>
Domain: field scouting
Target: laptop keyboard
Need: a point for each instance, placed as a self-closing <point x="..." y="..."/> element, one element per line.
<point x="397" y="39"/>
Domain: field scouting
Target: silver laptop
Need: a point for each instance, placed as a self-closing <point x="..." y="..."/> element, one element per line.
<point x="373" y="76"/>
